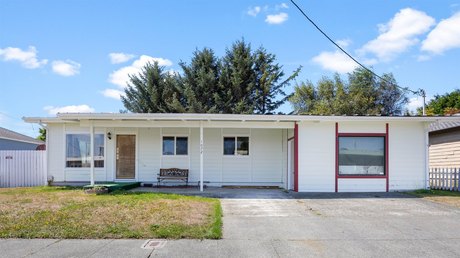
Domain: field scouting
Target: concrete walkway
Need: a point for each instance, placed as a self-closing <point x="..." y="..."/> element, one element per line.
<point x="288" y="225"/>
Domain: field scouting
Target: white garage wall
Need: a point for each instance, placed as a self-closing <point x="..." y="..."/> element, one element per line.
<point x="316" y="157"/>
<point x="407" y="156"/>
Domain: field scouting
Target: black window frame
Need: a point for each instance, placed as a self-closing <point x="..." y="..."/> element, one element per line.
<point x="235" y="148"/>
<point x="174" y="145"/>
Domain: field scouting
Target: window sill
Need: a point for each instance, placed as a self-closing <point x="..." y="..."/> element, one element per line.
<point x="362" y="176"/>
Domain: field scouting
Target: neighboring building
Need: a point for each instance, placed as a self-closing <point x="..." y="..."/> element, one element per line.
<point x="302" y="153"/>
<point x="445" y="145"/>
<point x="10" y="140"/>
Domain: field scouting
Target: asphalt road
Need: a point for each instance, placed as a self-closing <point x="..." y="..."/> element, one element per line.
<point x="271" y="223"/>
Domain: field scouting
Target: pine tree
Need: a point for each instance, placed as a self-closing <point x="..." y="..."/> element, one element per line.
<point x="151" y="91"/>
<point x="200" y="82"/>
<point x="269" y="92"/>
<point x="236" y="83"/>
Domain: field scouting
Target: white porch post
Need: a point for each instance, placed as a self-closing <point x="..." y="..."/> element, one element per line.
<point x="201" y="156"/>
<point x="91" y="151"/>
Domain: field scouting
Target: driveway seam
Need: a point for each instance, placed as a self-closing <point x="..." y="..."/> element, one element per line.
<point x="95" y="252"/>
<point x="34" y="252"/>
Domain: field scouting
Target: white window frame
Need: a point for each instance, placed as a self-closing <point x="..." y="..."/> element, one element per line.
<point x="175" y="145"/>
<point x="85" y="133"/>
<point x="236" y="145"/>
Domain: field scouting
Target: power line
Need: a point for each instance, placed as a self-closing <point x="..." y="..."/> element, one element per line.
<point x="419" y="92"/>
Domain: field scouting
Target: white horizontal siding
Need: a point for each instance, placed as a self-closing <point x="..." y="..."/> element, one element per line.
<point x="56" y="151"/>
<point x="149" y="154"/>
<point x="445" y="154"/>
<point x="362" y="127"/>
<point x="362" y="185"/>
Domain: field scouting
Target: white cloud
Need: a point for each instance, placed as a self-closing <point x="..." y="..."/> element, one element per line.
<point x="335" y="61"/>
<point x="118" y="58"/>
<point x="121" y="76"/>
<point x="422" y="58"/>
<point x="113" y="93"/>
<point x="27" y="58"/>
<point x="343" y="43"/>
<point x="253" y="11"/>
<point x="69" y="109"/>
<point x="281" y="6"/>
<point x="445" y="36"/>
<point x="276" y="18"/>
<point x="417" y="102"/>
<point x="66" y="68"/>
<point x="399" y="34"/>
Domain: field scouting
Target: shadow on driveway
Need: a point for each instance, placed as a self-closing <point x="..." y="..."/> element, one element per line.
<point x="267" y="193"/>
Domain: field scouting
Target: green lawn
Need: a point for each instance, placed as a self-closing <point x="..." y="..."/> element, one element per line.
<point x="424" y="193"/>
<point x="60" y="212"/>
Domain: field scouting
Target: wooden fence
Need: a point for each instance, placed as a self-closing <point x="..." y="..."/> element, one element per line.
<point x="22" y="168"/>
<point x="445" y="179"/>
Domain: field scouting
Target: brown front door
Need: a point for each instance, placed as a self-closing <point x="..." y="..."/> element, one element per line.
<point x="126" y="156"/>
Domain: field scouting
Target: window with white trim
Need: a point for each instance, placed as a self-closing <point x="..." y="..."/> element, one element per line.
<point x="78" y="150"/>
<point x="236" y="145"/>
<point x="362" y="155"/>
<point x="175" y="145"/>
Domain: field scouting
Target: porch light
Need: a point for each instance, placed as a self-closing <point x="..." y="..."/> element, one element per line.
<point x="109" y="135"/>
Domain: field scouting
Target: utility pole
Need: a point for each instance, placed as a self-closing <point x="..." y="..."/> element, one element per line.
<point x="423" y="94"/>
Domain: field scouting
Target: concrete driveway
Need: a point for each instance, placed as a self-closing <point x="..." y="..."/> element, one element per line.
<point x="343" y="225"/>
<point x="272" y="223"/>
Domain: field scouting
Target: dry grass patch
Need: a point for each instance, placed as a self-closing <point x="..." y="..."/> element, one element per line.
<point x="57" y="212"/>
<point x="446" y="197"/>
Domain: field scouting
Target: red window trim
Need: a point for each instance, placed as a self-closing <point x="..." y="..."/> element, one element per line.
<point x="387" y="147"/>
<point x="296" y="157"/>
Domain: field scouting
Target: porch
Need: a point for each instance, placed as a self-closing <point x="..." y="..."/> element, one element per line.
<point x="235" y="151"/>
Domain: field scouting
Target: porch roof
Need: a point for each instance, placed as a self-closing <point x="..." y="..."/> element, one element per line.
<point x="78" y="117"/>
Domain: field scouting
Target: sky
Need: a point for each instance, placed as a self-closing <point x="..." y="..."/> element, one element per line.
<point x="75" y="56"/>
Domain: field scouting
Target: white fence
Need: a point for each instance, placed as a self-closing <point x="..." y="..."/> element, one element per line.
<point x="445" y="179"/>
<point x="22" y="168"/>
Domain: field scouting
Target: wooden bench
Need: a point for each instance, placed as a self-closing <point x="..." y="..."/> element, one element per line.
<point x="173" y="174"/>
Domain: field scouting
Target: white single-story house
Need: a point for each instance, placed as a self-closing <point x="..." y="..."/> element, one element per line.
<point x="300" y="153"/>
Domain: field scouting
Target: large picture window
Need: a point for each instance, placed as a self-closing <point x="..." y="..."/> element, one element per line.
<point x="236" y="146"/>
<point x="175" y="145"/>
<point x="78" y="150"/>
<point x="362" y="155"/>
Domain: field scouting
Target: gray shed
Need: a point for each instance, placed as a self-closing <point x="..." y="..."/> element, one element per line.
<point x="10" y="140"/>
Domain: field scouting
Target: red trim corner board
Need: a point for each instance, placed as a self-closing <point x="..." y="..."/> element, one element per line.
<point x="336" y="157"/>
<point x="387" y="147"/>
<point x="337" y="176"/>
<point x="296" y="157"/>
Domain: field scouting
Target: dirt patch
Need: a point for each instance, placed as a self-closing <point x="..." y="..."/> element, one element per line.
<point x="449" y="200"/>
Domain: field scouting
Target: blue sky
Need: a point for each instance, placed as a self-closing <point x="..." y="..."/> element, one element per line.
<point x="74" y="56"/>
